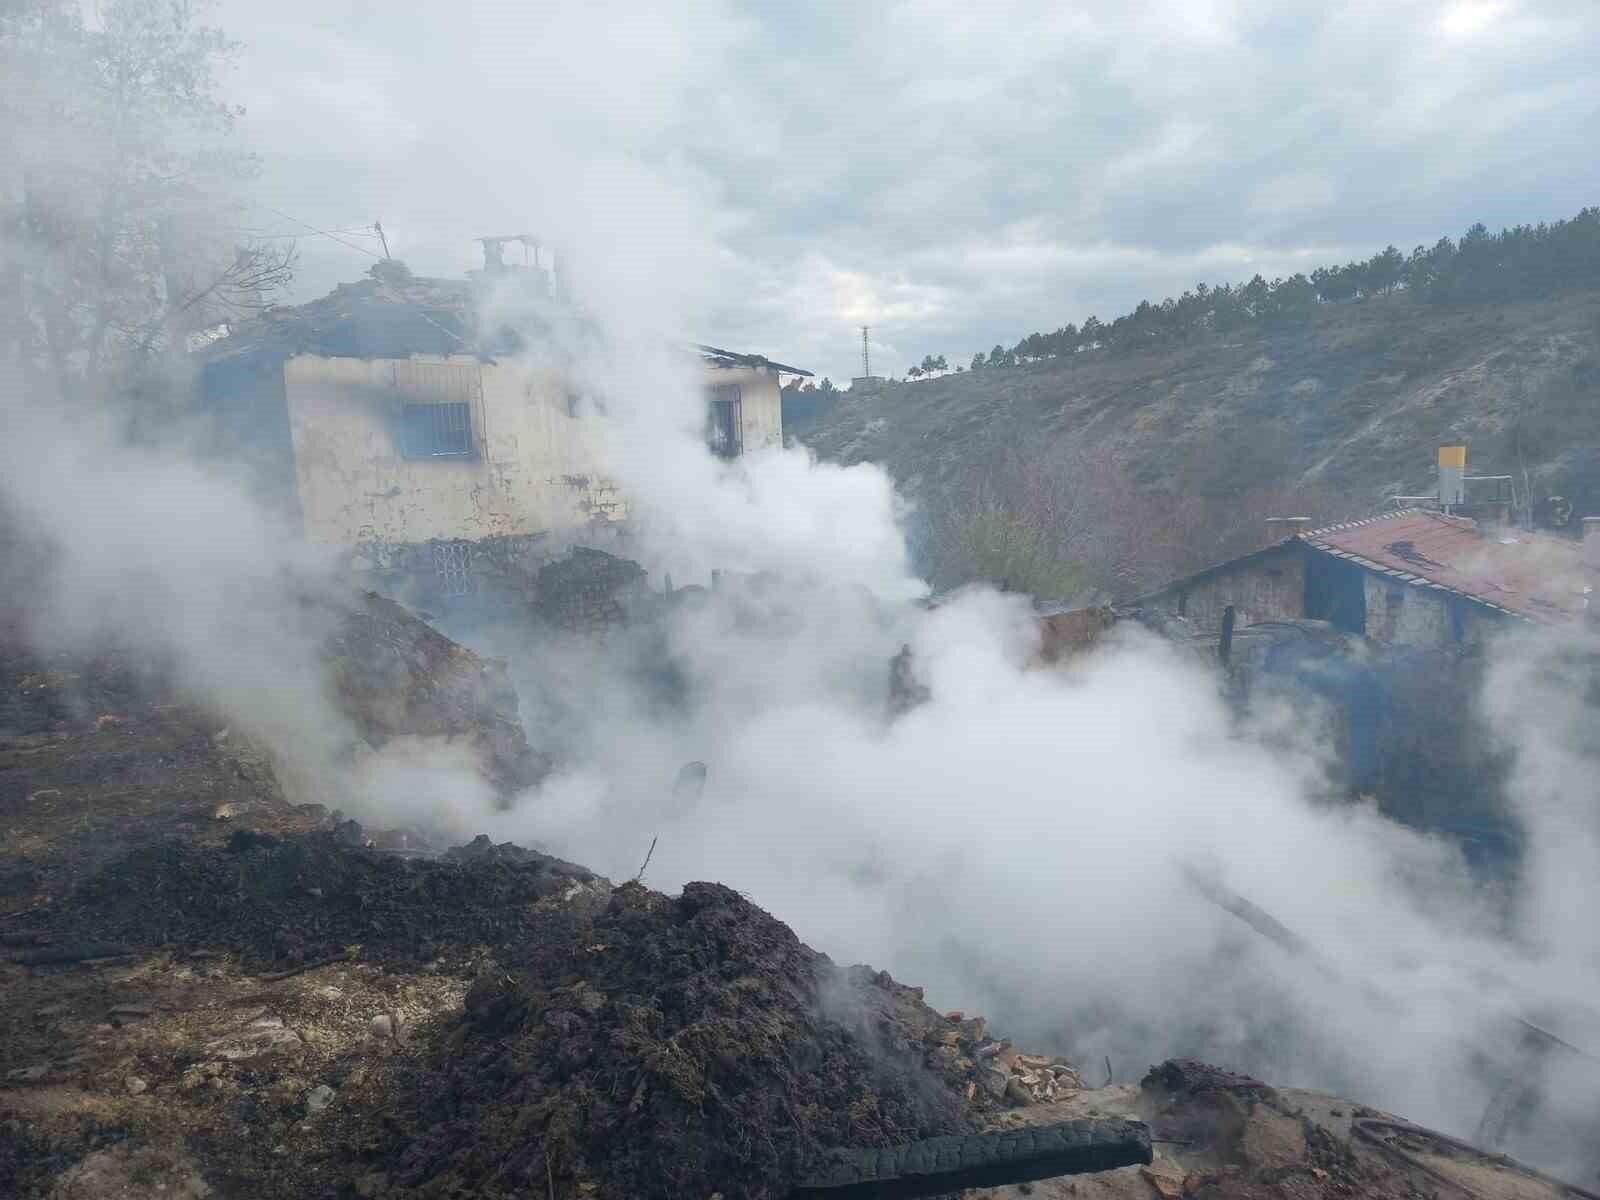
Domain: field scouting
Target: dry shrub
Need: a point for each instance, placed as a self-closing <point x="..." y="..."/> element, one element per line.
<point x="1071" y="524"/>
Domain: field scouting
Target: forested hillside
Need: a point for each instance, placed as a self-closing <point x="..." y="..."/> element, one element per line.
<point x="1525" y="262"/>
<point x="1109" y="469"/>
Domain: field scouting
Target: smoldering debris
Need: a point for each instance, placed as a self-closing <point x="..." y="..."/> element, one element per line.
<point x="587" y="590"/>
<point x="395" y="677"/>
<point x="285" y="901"/>
<point x="672" y="1047"/>
<point x="611" y="1042"/>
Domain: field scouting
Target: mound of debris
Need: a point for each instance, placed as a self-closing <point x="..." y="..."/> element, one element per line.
<point x="674" y="1047"/>
<point x="396" y="676"/>
<point x="305" y="898"/>
<point x="588" y="590"/>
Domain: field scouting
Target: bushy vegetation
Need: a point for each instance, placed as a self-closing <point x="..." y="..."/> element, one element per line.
<point x="1072" y="525"/>
<point x="1522" y="263"/>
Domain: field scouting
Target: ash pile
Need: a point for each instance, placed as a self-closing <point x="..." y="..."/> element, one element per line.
<point x="673" y="1046"/>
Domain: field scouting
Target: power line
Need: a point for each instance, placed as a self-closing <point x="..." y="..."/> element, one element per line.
<point x="353" y="230"/>
<point x="281" y="237"/>
<point x="421" y="312"/>
<point x="322" y="232"/>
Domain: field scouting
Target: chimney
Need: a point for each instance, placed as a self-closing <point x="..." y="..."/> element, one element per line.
<point x="1591" y="542"/>
<point x="1452" y="476"/>
<point x="1279" y="528"/>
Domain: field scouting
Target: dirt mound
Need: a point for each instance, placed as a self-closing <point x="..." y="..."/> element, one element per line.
<point x="675" y="1047"/>
<point x="308" y="897"/>
<point x="396" y="676"/>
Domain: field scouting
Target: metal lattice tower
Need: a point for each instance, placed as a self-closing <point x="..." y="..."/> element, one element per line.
<point x="866" y="356"/>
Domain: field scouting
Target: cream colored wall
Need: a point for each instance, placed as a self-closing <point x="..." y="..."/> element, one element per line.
<point x="536" y="468"/>
<point x="760" y="402"/>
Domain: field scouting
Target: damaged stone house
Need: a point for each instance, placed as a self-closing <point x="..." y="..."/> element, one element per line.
<point x="1383" y="623"/>
<point x="432" y="426"/>
<point x="1417" y="578"/>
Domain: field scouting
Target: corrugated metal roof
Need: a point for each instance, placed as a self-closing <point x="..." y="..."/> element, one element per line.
<point x="1530" y="575"/>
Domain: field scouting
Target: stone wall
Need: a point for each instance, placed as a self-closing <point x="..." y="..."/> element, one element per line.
<point x="1270" y="587"/>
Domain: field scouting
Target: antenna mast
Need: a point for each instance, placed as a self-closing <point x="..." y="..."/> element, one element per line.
<point x="866" y="357"/>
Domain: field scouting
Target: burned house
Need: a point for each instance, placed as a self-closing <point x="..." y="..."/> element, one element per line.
<point x="1379" y="628"/>
<point x="432" y="426"/>
<point x="1418" y="577"/>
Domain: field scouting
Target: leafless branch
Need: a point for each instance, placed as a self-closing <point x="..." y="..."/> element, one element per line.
<point x="646" y="862"/>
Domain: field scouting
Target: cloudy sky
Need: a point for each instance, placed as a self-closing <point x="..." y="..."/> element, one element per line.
<point x="770" y="177"/>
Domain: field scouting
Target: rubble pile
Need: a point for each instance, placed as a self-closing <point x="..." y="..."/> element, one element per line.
<point x="287" y="901"/>
<point x="675" y="1046"/>
<point x="588" y="591"/>
<point x="395" y="676"/>
<point x="206" y="989"/>
<point x="990" y="1073"/>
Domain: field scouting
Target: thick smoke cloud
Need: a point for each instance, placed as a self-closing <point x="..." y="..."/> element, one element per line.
<point x="1020" y="843"/>
<point x="165" y="558"/>
<point x="149" y="551"/>
<point x="1025" y="842"/>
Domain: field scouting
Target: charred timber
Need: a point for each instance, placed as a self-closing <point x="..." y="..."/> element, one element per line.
<point x="994" y="1159"/>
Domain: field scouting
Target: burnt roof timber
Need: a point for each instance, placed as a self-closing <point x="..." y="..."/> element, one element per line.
<point x="750" y="360"/>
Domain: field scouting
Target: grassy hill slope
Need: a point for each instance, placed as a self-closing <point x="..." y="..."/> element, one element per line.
<point x="1352" y="404"/>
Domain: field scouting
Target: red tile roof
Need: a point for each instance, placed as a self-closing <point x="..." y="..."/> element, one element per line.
<point x="1531" y="575"/>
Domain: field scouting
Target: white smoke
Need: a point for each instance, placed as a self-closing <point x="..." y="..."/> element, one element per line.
<point x="150" y="552"/>
<point x="1022" y="843"/>
<point x="1019" y="843"/>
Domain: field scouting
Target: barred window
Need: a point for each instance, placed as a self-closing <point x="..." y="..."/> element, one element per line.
<point x="436" y="431"/>
<point x="437" y="400"/>
<point x="725" y="422"/>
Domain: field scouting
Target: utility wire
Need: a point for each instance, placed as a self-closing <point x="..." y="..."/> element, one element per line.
<point x="267" y="235"/>
<point x="322" y="232"/>
<point x="421" y="312"/>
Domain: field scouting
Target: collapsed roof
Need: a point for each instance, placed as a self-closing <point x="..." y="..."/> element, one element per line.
<point x="390" y="314"/>
<point x="395" y="314"/>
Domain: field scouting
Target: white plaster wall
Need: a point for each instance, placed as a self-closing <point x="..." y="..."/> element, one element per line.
<point x="761" y="403"/>
<point x="536" y="468"/>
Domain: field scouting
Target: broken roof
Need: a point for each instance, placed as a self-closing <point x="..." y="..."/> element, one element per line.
<point x="1533" y="576"/>
<point x="1530" y="575"/>
<point x="395" y="314"/>
<point x="392" y="314"/>
<point x="729" y="358"/>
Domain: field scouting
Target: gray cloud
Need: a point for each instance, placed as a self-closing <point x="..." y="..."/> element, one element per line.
<point x="954" y="174"/>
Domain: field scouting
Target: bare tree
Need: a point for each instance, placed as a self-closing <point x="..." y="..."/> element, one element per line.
<point x="1070" y="523"/>
<point x="119" y="226"/>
